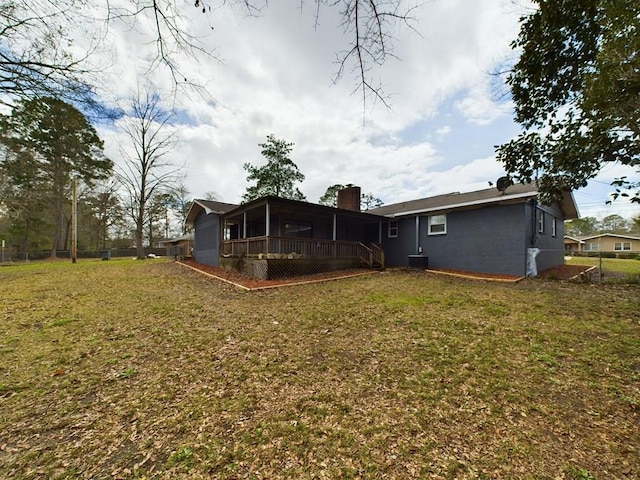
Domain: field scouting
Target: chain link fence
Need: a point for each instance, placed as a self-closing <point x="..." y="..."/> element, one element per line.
<point x="11" y="256"/>
<point x="610" y="267"/>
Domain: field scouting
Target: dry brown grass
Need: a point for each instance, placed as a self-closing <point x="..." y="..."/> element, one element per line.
<point x="127" y="369"/>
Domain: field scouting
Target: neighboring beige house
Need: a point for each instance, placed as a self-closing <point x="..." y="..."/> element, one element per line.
<point x="604" y="242"/>
<point x="572" y="244"/>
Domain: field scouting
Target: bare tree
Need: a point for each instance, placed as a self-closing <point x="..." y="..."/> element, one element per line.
<point x="180" y="204"/>
<point x="36" y="40"/>
<point x="369" y="23"/>
<point x="146" y="173"/>
<point x="101" y="210"/>
<point x="36" y="51"/>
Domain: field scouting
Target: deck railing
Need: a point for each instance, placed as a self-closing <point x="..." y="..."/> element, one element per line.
<point x="302" y="247"/>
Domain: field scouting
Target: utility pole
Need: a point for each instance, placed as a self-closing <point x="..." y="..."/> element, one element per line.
<point x="74" y="221"/>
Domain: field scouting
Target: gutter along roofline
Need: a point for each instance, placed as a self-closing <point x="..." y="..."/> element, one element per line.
<point x="471" y="203"/>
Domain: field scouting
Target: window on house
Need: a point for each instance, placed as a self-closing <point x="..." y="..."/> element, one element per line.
<point x="622" y="246"/>
<point x="393" y="228"/>
<point x="540" y="221"/>
<point x="591" y="247"/>
<point x="554" y="227"/>
<point x="296" y="228"/>
<point x="437" y="224"/>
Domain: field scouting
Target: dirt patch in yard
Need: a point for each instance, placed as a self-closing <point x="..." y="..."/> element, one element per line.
<point x="496" y="277"/>
<point x="561" y="272"/>
<point x="564" y="272"/>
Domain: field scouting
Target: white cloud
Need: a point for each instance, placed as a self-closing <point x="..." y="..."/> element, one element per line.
<point x="479" y="108"/>
<point x="276" y="76"/>
<point x="442" y="132"/>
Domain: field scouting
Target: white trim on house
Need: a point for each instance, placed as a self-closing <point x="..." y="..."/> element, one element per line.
<point x="617" y="235"/>
<point x="437" y="221"/>
<point x="395" y="229"/>
<point x="465" y="204"/>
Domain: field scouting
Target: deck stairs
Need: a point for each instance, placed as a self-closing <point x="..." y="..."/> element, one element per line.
<point x="371" y="256"/>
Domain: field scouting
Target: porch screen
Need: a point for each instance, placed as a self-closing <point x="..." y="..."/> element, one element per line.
<point x="299" y="229"/>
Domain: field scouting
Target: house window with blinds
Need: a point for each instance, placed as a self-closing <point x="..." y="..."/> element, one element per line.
<point x="437" y="224"/>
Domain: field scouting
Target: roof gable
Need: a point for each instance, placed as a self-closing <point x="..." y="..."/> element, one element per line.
<point x="208" y="206"/>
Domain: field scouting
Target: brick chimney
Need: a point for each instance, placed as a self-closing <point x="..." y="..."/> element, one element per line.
<point x="349" y="198"/>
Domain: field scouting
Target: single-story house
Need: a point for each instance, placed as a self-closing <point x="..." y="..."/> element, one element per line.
<point x="488" y="231"/>
<point x="603" y="242"/>
<point x="572" y="244"/>
<point x="273" y="237"/>
<point x="497" y="231"/>
<point x="205" y="217"/>
<point x="179" y="247"/>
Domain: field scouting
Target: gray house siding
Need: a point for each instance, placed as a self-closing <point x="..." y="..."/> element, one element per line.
<point x="397" y="249"/>
<point x="488" y="240"/>
<point x="549" y="242"/>
<point x="206" y="249"/>
<point x="493" y="239"/>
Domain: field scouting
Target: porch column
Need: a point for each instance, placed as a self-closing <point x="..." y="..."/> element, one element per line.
<point x="380" y="232"/>
<point x="335" y="227"/>
<point x="244" y="225"/>
<point x="417" y="233"/>
<point x="267" y="219"/>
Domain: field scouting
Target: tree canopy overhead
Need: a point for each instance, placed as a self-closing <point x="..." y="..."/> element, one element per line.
<point x="40" y="55"/>
<point x="576" y="89"/>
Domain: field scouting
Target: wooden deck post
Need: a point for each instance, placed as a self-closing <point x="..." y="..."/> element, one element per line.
<point x="266" y="229"/>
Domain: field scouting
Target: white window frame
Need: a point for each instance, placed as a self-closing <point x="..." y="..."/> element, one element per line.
<point x="540" y="221"/>
<point x="436" y="221"/>
<point x="622" y="246"/>
<point x="392" y="229"/>
<point x="591" y="247"/>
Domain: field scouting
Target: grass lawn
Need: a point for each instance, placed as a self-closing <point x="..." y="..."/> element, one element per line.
<point x="617" y="267"/>
<point x="145" y="369"/>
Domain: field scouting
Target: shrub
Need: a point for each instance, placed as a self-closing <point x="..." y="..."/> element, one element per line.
<point x="629" y="256"/>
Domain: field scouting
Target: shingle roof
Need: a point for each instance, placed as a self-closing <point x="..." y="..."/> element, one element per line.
<point x="600" y="235"/>
<point x="457" y="200"/>
<point x="208" y="206"/>
<point x="216" y="207"/>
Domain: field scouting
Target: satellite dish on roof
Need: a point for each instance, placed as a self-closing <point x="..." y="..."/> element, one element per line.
<point x="503" y="183"/>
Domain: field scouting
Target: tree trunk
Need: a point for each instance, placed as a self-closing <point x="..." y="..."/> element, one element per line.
<point x="139" y="245"/>
<point x="140" y="231"/>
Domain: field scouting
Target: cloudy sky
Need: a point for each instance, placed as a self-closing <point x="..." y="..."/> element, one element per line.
<point x="275" y="75"/>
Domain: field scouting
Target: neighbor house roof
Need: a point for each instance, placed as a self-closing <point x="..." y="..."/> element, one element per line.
<point x="183" y="238"/>
<point x="208" y="206"/>
<point x="600" y="235"/>
<point x="456" y="200"/>
<point x="572" y="239"/>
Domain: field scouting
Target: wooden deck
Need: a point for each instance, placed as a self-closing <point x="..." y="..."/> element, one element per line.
<point x="303" y="248"/>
